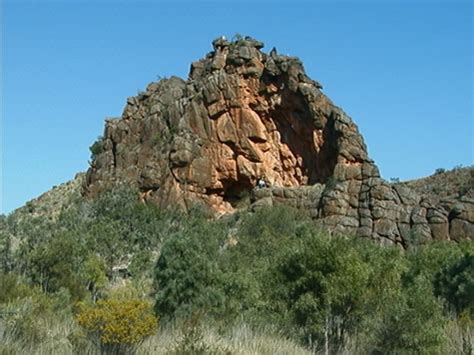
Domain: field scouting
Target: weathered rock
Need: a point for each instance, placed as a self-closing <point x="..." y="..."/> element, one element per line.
<point x="244" y="115"/>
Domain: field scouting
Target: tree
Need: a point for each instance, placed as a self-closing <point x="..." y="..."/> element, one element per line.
<point x="455" y="284"/>
<point x="187" y="274"/>
<point x="95" y="275"/>
<point x="58" y="262"/>
<point x="411" y="323"/>
<point x="326" y="283"/>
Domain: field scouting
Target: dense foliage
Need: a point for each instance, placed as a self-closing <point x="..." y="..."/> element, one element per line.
<point x="455" y="283"/>
<point x="325" y="291"/>
<point x="272" y="268"/>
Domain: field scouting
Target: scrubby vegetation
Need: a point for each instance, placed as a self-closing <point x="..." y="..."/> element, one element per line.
<point x="99" y="276"/>
<point x="457" y="182"/>
<point x="117" y="326"/>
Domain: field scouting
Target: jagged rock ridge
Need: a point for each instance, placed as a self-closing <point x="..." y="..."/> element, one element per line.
<point x="244" y="115"/>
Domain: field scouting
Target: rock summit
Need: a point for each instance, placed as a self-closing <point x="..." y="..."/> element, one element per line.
<point x="245" y="116"/>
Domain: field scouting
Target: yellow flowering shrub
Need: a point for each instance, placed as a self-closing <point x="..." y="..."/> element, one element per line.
<point x="117" y="325"/>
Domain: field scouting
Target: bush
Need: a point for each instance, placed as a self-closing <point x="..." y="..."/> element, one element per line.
<point x="193" y="340"/>
<point x="187" y="274"/>
<point x="13" y="287"/>
<point x="97" y="147"/>
<point x="56" y="262"/>
<point x="23" y="319"/>
<point x="412" y="323"/>
<point x="117" y="326"/>
<point x="455" y="283"/>
<point x="326" y="283"/>
<point x="6" y="257"/>
<point x="28" y="318"/>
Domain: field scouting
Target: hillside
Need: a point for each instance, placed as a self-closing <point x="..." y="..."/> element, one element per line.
<point x="455" y="183"/>
<point x="238" y="212"/>
<point x="51" y="203"/>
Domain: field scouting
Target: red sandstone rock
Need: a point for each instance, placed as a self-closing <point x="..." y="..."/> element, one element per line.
<point x="244" y="115"/>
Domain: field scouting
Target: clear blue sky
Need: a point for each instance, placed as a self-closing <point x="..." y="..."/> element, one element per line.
<point x="402" y="69"/>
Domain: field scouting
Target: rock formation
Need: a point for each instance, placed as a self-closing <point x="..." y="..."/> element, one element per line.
<point x="244" y="115"/>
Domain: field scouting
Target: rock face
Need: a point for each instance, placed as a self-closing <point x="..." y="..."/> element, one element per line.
<point x="244" y="116"/>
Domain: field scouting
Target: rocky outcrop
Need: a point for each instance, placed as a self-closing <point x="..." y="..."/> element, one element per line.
<point x="244" y="116"/>
<point x="451" y="194"/>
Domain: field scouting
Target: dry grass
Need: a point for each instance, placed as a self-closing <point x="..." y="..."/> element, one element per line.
<point x="459" y="338"/>
<point x="64" y="338"/>
<point x="60" y="335"/>
<point x="239" y="340"/>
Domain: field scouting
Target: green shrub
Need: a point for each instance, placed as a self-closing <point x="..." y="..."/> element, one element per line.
<point x="56" y="263"/>
<point x="26" y="318"/>
<point x="6" y="253"/>
<point x="14" y="287"/>
<point x="97" y="147"/>
<point x="326" y="283"/>
<point x="94" y="273"/>
<point x="412" y="323"/>
<point x="187" y="274"/>
<point x="455" y="284"/>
